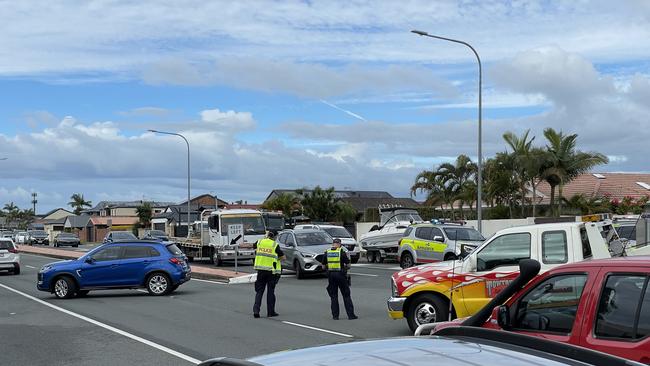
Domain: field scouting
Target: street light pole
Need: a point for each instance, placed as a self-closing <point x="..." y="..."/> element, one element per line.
<point x="188" y="173"/>
<point x="479" y="204"/>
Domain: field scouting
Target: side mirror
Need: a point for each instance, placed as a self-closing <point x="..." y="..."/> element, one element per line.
<point x="503" y="316"/>
<point x="439" y="239"/>
<point x="89" y="260"/>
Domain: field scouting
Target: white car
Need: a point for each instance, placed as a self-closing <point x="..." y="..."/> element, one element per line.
<point x="22" y="238"/>
<point x="9" y="257"/>
<point x="335" y="231"/>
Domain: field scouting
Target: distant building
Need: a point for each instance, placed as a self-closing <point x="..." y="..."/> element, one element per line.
<point x="611" y="185"/>
<point x="124" y="208"/>
<point x="173" y="219"/>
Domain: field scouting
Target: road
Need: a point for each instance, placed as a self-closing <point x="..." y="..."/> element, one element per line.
<point x="203" y="319"/>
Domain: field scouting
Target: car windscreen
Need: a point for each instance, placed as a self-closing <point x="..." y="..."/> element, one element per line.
<point x="173" y="249"/>
<point x="463" y="234"/>
<point x="337" y="232"/>
<point x="157" y="233"/>
<point x="38" y="233"/>
<point x="314" y="238"/>
<point x="123" y="235"/>
<point x="67" y="235"/>
<point x="275" y="223"/>
<point x="253" y="225"/>
<point x="627" y="232"/>
<point x="6" y="245"/>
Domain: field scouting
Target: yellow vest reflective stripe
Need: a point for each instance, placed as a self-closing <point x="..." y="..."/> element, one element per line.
<point x="265" y="256"/>
<point x="334" y="259"/>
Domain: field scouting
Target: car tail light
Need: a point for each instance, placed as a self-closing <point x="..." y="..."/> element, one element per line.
<point x="176" y="261"/>
<point x="13" y="250"/>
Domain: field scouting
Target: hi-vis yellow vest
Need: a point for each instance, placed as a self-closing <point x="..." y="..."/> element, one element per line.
<point x="265" y="256"/>
<point x="334" y="259"/>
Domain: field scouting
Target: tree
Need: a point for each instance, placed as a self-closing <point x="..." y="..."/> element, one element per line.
<point x="319" y="204"/>
<point x="77" y="202"/>
<point x="11" y="212"/>
<point x="565" y="163"/>
<point x="145" y="213"/>
<point x="346" y="213"/>
<point x="521" y="147"/>
<point x="587" y="205"/>
<point x="456" y="176"/>
<point x="285" y="202"/>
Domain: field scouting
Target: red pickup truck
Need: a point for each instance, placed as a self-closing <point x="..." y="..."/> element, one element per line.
<point x="598" y="304"/>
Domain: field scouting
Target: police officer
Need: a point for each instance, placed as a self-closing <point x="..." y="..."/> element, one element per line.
<point x="336" y="259"/>
<point x="267" y="263"/>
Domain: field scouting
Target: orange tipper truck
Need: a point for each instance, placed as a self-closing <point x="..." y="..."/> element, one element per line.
<point x="423" y="294"/>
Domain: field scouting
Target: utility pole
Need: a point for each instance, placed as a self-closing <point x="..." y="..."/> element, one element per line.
<point x="34" y="201"/>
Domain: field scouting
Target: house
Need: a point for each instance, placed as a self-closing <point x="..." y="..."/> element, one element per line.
<point x="82" y="226"/>
<point x="57" y="213"/>
<point x="101" y="225"/>
<point x="124" y="208"/>
<point x="614" y="186"/>
<point x="360" y="200"/>
<point x="52" y="222"/>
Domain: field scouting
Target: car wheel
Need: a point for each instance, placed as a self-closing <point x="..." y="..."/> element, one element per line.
<point x="300" y="273"/>
<point x="16" y="270"/>
<point x="158" y="284"/>
<point x="82" y="293"/>
<point x="370" y="256"/>
<point x="217" y="261"/>
<point x="355" y="260"/>
<point x="406" y="261"/>
<point x="75" y="246"/>
<point x="424" y="309"/>
<point x="64" y="288"/>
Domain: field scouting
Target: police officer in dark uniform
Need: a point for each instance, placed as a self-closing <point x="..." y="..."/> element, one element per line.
<point x="337" y="261"/>
<point x="267" y="263"/>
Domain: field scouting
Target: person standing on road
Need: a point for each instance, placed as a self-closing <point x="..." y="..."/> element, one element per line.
<point x="337" y="261"/>
<point x="267" y="263"/>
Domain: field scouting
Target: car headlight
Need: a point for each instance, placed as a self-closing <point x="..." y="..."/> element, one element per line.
<point x="45" y="268"/>
<point x="308" y="255"/>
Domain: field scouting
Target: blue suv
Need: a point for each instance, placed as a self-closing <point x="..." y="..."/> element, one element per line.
<point x="158" y="267"/>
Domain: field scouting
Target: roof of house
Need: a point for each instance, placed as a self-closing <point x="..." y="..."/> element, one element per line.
<point x="337" y="193"/>
<point x="77" y="221"/>
<point x="125" y="204"/>
<point x="614" y="185"/>
<point x="221" y="202"/>
<point x="45" y="215"/>
<point x="361" y="203"/>
<point x="59" y="221"/>
<point x="115" y="220"/>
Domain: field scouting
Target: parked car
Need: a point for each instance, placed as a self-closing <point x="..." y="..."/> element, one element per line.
<point x="38" y="237"/>
<point x="460" y="346"/>
<point x="117" y="236"/>
<point x="155" y="235"/>
<point x="159" y="268"/>
<point x="426" y="243"/>
<point x="67" y="239"/>
<point x="303" y="250"/>
<point x="9" y="257"/>
<point x="599" y="304"/>
<point x="335" y="231"/>
<point x="21" y="237"/>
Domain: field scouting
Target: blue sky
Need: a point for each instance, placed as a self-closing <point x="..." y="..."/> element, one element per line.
<point x="303" y="93"/>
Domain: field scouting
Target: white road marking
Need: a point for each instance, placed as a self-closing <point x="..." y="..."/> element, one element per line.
<point x="369" y="265"/>
<point x="28" y="266"/>
<point x="217" y="282"/>
<point x="108" y="327"/>
<point x="318" y="329"/>
<point x="364" y="274"/>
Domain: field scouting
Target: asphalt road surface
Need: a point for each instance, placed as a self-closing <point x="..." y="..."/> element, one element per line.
<point x="202" y="319"/>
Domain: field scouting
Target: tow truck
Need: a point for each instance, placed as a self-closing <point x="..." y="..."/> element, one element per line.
<point x="432" y="292"/>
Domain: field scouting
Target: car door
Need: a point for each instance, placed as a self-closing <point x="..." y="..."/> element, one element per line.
<point x="103" y="268"/>
<point x="555" y="308"/>
<point x="281" y="240"/>
<point x="291" y="249"/>
<point x="497" y="264"/>
<point x="619" y="318"/>
<point x="136" y="260"/>
<point x="437" y="247"/>
<point x="421" y="244"/>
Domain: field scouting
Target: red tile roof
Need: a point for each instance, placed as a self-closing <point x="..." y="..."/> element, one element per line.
<point x="615" y="185"/>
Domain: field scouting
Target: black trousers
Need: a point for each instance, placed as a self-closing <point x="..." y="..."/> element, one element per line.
<point x="338" y="281"/>
<point x="265" y="280"/>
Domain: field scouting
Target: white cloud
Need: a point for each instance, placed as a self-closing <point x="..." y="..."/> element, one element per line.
<point x="230" y="120"/>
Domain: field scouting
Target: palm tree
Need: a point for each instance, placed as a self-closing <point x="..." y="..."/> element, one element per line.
<point x="78" y="202"/>
<point x="521" y="147"/>
<point x="457" y="175"/>
<point x="565" y="163"/>
<point x="11" y="212"/>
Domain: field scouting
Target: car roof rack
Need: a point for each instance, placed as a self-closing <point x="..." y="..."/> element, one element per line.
<point x="481" y="335"/>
